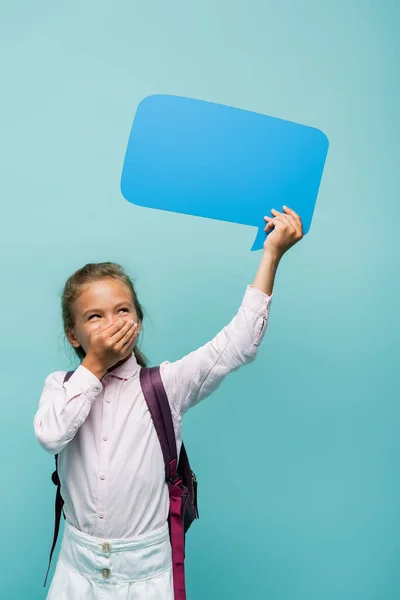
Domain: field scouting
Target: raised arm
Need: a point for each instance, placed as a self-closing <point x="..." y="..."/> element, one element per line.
<point x="63" y="407"/>
<point x="197" y="375"/>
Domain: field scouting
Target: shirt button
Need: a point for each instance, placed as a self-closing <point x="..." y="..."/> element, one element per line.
<point x="106" y="573"/>
<point x="105" y="438"/>
<point x="107" y="399"/>
<point x="101" y="515"/>
<point x="102" y="476"/>
<point x="106" y="547"/>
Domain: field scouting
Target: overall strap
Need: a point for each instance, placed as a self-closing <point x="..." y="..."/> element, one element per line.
<point x="160" y="411"/>
<point x="59" y="503"/>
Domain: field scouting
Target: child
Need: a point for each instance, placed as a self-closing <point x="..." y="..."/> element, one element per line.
<point x="116" y="538"/>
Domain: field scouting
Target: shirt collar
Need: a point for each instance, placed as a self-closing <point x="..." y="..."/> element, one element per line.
<point x="127" y="369"/>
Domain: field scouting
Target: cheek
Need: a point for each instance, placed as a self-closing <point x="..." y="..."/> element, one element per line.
<point x="91" y="327"/>
<point x="84" y="332"/>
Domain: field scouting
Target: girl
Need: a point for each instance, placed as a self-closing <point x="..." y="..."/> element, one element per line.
<point x="116" y="538"/>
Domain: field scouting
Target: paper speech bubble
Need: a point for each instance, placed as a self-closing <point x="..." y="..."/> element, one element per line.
<point x="210" y="160"/>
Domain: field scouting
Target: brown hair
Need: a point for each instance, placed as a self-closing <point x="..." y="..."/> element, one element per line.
<point x="84" y="276"/>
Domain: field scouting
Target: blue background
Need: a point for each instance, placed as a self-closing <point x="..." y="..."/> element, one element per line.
<point x="314" y="422"/>
<point x="216" y="161"/>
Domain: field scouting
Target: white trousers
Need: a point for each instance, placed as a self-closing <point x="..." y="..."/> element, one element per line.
<point x="90" y="568"/>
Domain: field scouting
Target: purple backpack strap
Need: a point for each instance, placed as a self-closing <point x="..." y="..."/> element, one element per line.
<point x="157" y="402"/>
<point x="58" y="508"/>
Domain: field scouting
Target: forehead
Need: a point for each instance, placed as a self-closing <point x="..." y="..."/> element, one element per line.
<point x="105" y="293"/>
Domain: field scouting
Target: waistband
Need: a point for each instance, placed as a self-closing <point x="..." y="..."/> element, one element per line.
<point x="118" y="561"/>
<point x="116" y="545"/>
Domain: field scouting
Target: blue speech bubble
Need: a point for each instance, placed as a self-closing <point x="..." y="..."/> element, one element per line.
<point x="210" y="160"/>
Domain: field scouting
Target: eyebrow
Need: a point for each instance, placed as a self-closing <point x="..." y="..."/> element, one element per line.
<point x="96" y="310"/>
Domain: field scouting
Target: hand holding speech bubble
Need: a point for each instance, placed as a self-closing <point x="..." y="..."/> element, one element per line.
<point x="210" y="160"/>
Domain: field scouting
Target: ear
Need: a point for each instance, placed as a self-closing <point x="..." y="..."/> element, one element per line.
<point x="72" y="339"/>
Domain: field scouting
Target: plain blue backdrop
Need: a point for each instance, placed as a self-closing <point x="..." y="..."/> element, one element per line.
<point x="302" y="445"/>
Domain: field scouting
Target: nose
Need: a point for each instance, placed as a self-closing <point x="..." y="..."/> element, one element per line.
<point x="117" y="319"/>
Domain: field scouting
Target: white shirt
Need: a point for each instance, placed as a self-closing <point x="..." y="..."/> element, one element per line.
<point x="111" y="466"/>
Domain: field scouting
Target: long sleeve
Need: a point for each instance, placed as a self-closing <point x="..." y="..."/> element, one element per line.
<point x="195" y="376"/>
<point x="63" y="407"/>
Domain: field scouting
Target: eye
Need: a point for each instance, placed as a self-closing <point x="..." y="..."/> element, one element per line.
<point x="96" y="315"/>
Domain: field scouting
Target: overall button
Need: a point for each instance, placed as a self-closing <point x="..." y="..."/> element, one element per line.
<point x="106" y="573"/>
<point x="106" y="547"/>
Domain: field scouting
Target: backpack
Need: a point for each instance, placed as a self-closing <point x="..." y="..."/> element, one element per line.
<point x="182" y="482"/>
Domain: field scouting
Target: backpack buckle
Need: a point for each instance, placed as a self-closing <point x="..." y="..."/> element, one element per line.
<point x="174" y="476"/>
<point x="175" y="479"/>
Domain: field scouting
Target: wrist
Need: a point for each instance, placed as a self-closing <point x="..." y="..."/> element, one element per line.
<point x="271" y="255"/>
<point x="94" y="367"/>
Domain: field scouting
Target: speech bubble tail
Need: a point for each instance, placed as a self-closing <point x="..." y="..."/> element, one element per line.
<point x="259" y="241"/>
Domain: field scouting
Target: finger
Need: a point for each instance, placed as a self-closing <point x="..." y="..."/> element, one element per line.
<point x="292" y="229"/>
<point x="280" y="222"/>
<point x="290" y="211"/>
<point x="115" y="326"/>
<point x="294" y="215"/>
<point x="291" y="215"/>
<point x="120" y="334"/>
<point x="129" y="338"/>
<point x="289" y="219"/>
<point x="271" y="224"/>
<point x="284" y="218"/>
<point x="125" y="341"/>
